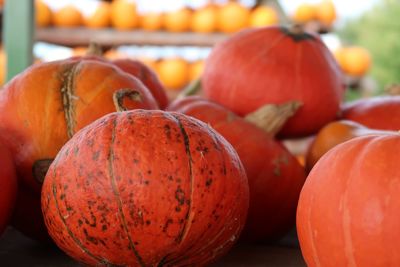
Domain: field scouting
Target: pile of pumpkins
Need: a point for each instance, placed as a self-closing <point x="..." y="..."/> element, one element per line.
<point x="123" y="15"/>
<point x="97" y="158"/>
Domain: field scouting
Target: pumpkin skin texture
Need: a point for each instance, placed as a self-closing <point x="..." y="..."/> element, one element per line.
<point x="275" y="176"/>
<point x="333" y="134"/>
<point x="8" y="185"/>
<point x="274" y="65"/>
<point x="348" y="208"/>
<point x="146" y="188"/>
<point x="147" y="76"/>
<point x="382" y="112"/>
<point x="41" y="108"/>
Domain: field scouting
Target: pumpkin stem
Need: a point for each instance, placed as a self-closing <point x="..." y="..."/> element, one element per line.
<point x="272" y="117"/>
<point x="393" y="89"/>
<point x="94" y="49"/>
<point x="40" y="168"/>
<point x="121" y="94"/>
<point x="192" y="89"/>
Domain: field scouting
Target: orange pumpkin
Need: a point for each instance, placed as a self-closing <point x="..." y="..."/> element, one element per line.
<point x="304" y="13"/>
<point x="100" y="18"/>
<point x="124" y="15"/>
<point x="336" y="133"/>
<point x="151" y="21"/>
<point x="348" y="212"/>
<point x="43" y="14"/>
<point x="68" y="16"/>
<point x="357" y="61"/>
<point x="232" y="17"/>
<point x="263" y="16"/>
<point x="325" y="12"/>
<point x="173" y="73"/>
<point x="204" y="20"/>
<point x="178" y="21"/>
<point x="146" y="188"/>
<point x="44" y="106"/>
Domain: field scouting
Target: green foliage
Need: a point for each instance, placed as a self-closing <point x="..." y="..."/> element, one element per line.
<point x="378" y="30"/>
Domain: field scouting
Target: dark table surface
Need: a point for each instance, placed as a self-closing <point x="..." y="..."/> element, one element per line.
<point x="17" y="250"/>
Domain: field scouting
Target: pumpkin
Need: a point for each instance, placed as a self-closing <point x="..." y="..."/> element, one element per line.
<point x="263" y="16"/>
<point x="348" y="208"/>
<point x="325" y="12"/>
<point x="276" y="65"/>
<point x="151" y="21"/>
<point x="333" y="134"/>
<point x="178" y="20"/>
<point x="357" y="61"/>
<point x="305" y="12"/>
<point x="173" y="73"/>
<point x="124" y="15"/>
<point x="204" y="20"/>
<point x="381" y="112"/>
<point x="68" y="16"/>
<point x="146" y="188"/>
<point x="43" y="14"/>
<point x="275" y="177"/>
<point x="100" y="18"/>
<point x="41" y="108"/>
<point x="8" y="185"/>
<point x="232" y="17"/>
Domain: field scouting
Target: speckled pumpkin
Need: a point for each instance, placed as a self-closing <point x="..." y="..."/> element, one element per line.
<point x="275" y="176"/>
<point x="145" y="188"/>
<point x="41" y="108"/>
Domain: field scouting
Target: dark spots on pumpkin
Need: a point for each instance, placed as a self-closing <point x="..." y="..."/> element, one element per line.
<point x="89" y="238"/>
<point x="136" y="161"/>
<point x="96" y="155"/>
<point x="130" y="181"/>
<point x="167" y="224"/>
<point x="148" y="222"/>
<point x="146" y="182"/>
<point x="202" y="170"/>
<point x="210" y="172"/>
<point x="180" y="196"/>
<point x="178" y="209"/>
<point x="90" y="142"/>
<point x="62" y="196"/>
<point x="149" y="172"/>
<point x="170" y="178"/>
<point x="66" y="152"/>
<point x="209" y="182"/>
<point x="136" y="243"/>
<point x="209" y="225"/>
<point x="167" y="130"/>
<point x="69" y="208"/>
<point x="76" y="150"/>
<point x="178" y="180"/>
<point x="65" y="187"/>
<point x="80" y="222"/>
<point x="104" y="227"/>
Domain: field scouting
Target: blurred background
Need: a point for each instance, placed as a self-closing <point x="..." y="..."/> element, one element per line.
<point x="174" y="37"/>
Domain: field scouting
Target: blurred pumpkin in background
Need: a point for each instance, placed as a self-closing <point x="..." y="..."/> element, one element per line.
<point x="178" y="20"/>
<point x="232" y="17"/>
<point x="43" y="14"/>
<point x="173" y="73"/>
<point x="68" y="16"/>
<point x="124" y="15"/>
<point x="101" y="16"/>
<point x="304" y="13"/>
<point x="263" y="16"/>
<point x="151" y="21"/>
<point x="325" y="12"/>
<point x="204" y="20"/>
<point x="3" y="66"/>
<point x="353" y="60"/>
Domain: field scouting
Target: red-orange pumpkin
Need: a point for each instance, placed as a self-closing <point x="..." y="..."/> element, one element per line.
<point x="276" y="65"/>
<point x="275" y="176"/>
<point x="41" y="108"/>
<point x="382" y="112"/>
<point x="8" y="185"/>
<point x="146" y="188"/>
<point x="348" y="213"/>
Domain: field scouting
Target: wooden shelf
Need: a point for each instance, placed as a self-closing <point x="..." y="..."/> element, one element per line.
<point x="111" y="37"/>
